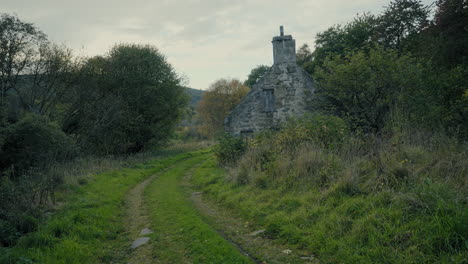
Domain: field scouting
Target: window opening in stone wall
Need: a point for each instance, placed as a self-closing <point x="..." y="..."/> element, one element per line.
<point x="269" y="100"/>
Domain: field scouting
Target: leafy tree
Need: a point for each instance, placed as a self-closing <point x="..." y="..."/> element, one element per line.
<point x="222" y="96"/>
<point x="444" y="42"/>
<point x="150" y="87"/>
<point x="363" y="87"/>
<point x="34" y="73"/>
<point x="126" y="100"/>
<point x="444" y="101"/>
<point x="395" y="28"/>
<point x="49" y="77"/>
<point x="401" y="19"/>
<point x="337" y="40"/>
<point x="255" y="74"/>
<point x="304" y="57"/>
<point x="19" y="44"/>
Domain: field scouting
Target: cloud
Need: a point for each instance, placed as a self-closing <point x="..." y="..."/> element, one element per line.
<point x="203" y="39"/>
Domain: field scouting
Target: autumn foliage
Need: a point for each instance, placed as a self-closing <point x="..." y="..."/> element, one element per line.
<point x="216" y="103"/>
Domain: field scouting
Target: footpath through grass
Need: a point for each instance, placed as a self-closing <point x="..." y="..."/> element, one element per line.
<point x="90" y="227"/>
<point x="181" y="236"/>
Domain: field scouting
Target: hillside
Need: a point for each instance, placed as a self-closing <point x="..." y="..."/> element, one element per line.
<point x="195" y="96"/>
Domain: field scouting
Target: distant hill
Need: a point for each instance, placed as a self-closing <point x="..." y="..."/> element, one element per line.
<point x="195" y="96"/>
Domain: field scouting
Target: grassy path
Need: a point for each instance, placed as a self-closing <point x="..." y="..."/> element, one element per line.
<point x="233" y="227"/>
<point x="102" y="217"/>
<point x="137" y="219"/>
<point x="181" y="235"/>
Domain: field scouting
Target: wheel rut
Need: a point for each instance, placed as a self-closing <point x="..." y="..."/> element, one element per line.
<point x="203" y="208"/>
<point x="138" y="219"/>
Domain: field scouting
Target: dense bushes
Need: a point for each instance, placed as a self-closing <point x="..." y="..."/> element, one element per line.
<point x="365" y="86"/>
<point x="55" y="107"/>
<point x="399" y="64"/>
<point x="370" y="88"/>
<point x="229" y="149"/>
<point x="34" y="142"/>
<point x="327" y="131"/>
<point x="30" y="148"/>
<point x="323" y="130"/>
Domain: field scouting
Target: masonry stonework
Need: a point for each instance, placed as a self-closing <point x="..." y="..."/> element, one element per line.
<point x="284" y="91"/>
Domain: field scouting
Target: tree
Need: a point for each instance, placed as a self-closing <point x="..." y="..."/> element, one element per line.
<point x="49" y="77"/>
<point x="150" y="87"/>
<point x="125" y="101"/>
<point x="338" y="40"/>
<point x="401" y="19"/>
<point x="33" y="71"/>
<point x="216" y="103"/>
<point x="19" y="44"/>
<point x="304" y="57"/>
<point x="446" y="39"/>
<point x="444" y="100"/>
<point x="255" y="74"/>
<point x="395" y="28"/>
<point x="364" y="87"/>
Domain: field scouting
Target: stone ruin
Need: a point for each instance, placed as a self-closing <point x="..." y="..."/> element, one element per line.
<point x="284" y="91"/>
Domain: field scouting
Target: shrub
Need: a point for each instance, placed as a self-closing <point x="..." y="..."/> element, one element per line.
<point x="30" y="149"/>
<point x="324" y="130"/>
<point x="230" y="149"/>
<point x="8" y="233"/>
<point x="363" y="87"/>
<point x="34" y="141"/>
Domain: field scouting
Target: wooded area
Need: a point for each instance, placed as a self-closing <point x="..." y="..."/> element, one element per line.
<point x="56" y="107"/>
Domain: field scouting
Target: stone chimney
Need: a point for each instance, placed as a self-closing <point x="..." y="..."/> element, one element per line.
<point x="284" y="48"/>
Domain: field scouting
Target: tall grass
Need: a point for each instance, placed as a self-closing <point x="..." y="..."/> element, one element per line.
<point x="394" y="198"/>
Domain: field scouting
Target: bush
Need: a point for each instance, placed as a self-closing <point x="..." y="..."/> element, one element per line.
<point x="230" y="149"/>
<point x="8" y="233"/>
<point x="363" y="87"/>
<point x="30" y="148"/>
<point x="34" y="141"/>
<point x="324" y="130"/>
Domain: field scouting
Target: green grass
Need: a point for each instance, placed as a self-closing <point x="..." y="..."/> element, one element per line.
<point x="421" y="223"/>
<point x="181" y="236"/>
<point x="89" y="229"/>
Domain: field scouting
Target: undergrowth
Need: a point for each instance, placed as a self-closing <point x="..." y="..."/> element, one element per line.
<point x="25" y="200"/>
<point x="394" y="199"/>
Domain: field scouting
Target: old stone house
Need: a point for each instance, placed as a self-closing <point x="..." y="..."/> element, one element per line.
<point x="284" y="91"/>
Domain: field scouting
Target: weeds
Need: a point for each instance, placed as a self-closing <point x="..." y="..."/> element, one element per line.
<point x="392" y="198"/>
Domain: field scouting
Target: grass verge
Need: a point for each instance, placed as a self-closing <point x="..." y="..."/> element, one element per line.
<point x="419" y="224"/>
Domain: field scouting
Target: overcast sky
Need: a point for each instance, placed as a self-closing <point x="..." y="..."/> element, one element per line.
<point x="203" y="40"/>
